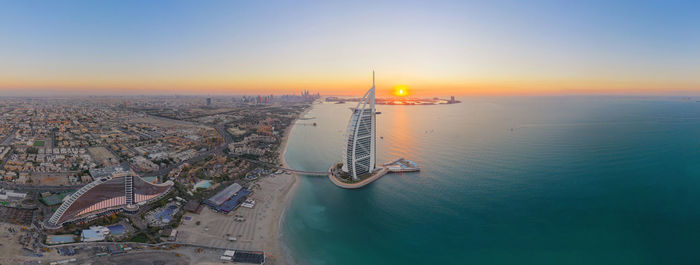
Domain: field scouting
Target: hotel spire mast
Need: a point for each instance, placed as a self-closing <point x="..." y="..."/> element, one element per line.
<point x="360" y="155"/>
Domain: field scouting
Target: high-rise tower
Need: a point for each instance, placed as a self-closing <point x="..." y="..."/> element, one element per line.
<point x="360" y="156"/>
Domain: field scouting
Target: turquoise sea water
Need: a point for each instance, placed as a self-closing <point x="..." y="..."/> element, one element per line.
<point x="559" y="180"/>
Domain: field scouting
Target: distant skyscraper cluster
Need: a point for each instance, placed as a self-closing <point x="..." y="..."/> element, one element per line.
<point x="304" y="96"/>
<point x="265" y="99"/>
<point x="258" y="99"/>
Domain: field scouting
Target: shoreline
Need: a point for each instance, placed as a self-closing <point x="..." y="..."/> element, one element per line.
<point x="282" y="252"/>
<point x="274" y="195"/>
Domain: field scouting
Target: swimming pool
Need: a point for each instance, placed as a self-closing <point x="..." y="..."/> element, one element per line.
<point x="116" y="230"/>
<point x="166" y="213"/>
<point x="204" y="184"/>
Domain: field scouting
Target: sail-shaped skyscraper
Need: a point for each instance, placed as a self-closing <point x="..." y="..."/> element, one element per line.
<point x="360" y="156"/>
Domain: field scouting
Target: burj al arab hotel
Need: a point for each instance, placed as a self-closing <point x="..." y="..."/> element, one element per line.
<point x="360" y="156"/>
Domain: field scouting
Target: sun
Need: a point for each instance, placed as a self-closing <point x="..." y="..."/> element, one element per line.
<point x="401" y="90"/>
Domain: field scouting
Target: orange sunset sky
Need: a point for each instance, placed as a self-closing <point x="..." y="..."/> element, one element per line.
<point x="435" y="49"/>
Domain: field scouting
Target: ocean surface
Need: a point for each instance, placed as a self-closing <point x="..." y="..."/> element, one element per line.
<point x="554" y="180"/>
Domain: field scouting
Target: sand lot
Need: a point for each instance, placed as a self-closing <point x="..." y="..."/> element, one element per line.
<point x="258" y="232"/>
<point x="100" y="154"/>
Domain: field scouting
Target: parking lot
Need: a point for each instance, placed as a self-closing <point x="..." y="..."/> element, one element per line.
<point x="215" y="229"/>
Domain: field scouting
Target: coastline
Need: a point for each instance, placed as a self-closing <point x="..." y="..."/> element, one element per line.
<point x="275" y="193"/>
<point x="281" y="252"/>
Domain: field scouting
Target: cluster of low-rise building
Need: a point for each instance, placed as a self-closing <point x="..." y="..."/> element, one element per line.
<point x="143" y="164"/>
<point x="254" y="144"/>
<point x="50" y="160"/>
<point x="73" y="135"/>
<point x="111" y="160"/>
<point x="6" y="195"/>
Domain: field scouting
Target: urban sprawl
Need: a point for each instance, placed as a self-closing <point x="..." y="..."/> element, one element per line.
<point x="85" y="179"/>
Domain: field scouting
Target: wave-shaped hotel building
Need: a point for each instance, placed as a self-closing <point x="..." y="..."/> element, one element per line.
<point x="360" y="156"/>
<point x="105" y="195"/>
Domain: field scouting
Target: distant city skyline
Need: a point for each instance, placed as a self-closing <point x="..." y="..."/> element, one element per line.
<point x="434" y="48"/>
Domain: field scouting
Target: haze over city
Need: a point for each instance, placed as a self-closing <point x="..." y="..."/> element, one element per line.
<point x="218" y="132"/>
<point x="433" y="47"/>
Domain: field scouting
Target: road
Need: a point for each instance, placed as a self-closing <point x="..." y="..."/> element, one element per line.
<point x="141" y="258"/>
<point x="4" y="159"/>
<point x="51" y="143"/>
<point x="6" y="142"/>
<point x="8" y="139"/>
<point x="29" y="187"/>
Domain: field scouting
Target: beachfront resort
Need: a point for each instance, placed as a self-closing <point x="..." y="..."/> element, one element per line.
<point x="359" y="165"/>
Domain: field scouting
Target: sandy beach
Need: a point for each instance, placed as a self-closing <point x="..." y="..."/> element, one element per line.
<point x="283" y="256"/>
<point x="261" y="230"/>
<point x="273" y="244"/>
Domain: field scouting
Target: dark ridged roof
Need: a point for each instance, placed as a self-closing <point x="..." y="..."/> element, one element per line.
<point x="145" y="188"/>
<point x="111" y="190"/>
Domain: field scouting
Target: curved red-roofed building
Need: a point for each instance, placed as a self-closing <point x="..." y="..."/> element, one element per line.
<point x="106" y="195"/>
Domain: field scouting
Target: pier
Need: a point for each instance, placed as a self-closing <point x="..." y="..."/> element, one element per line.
<point x="303" y="172"/>
<point x="401" y="165"/>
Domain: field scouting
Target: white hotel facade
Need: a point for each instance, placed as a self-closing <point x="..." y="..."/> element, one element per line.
<point x="360" y="156"/>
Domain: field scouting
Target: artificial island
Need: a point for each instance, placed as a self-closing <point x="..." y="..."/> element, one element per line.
<point x="359" y="165"/>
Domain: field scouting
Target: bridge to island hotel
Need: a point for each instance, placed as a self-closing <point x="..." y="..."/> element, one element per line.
<point x="288" y="170"/>
<point x="303" y="172"/>
<point x="395" y="166"/>
<point x="398" y="165"/>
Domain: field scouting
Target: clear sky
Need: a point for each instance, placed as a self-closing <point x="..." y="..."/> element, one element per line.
<point x="432" y="47"/>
